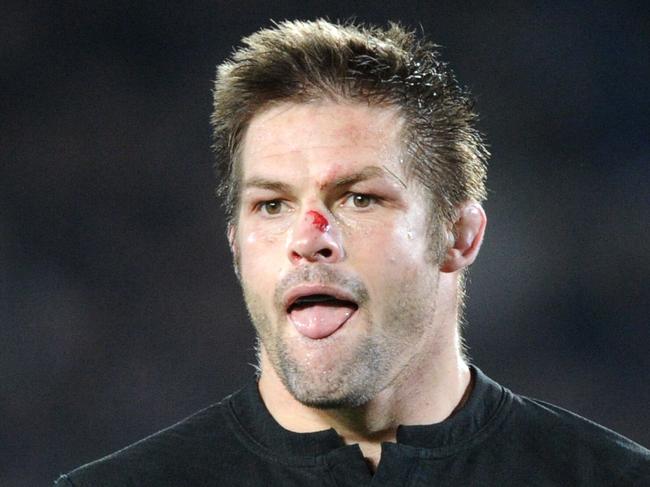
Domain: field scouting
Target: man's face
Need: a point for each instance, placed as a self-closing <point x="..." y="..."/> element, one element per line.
<point x="332" y="245"/>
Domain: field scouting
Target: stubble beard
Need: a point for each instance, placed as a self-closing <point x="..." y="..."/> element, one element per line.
<point x="362" y="369"/>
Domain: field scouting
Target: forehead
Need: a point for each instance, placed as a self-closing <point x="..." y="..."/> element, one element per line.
<point x="309" y="138"/>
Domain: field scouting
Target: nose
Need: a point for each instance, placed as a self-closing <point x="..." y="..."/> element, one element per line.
<point x="314" y="239"/>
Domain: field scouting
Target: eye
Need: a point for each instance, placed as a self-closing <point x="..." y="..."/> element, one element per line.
<point x="359" y="200"/>
<point x="271" y="207"/>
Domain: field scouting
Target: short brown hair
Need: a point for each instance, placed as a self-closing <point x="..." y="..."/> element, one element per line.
<point x="304" y="61"/>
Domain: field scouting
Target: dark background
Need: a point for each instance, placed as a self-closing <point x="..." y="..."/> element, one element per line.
<point x="119" y="310"/>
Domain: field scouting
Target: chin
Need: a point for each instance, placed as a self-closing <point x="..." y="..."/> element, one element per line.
<point x="333" y="382"/>
<point x="323" y="398"/>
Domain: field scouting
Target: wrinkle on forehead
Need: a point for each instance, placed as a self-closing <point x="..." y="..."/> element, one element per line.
<point x="302" y="149"/>
<point x="374" y="123"/>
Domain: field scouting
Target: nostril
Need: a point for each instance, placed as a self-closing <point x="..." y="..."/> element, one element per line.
<point x="327" y="253"/>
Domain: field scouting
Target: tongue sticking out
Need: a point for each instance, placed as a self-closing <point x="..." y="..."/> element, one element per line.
<point x="321" y="320"/>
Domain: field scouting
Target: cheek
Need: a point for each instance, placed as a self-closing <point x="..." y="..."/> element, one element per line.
<point x="258" y="253"/>
<point x="258" y="235"/>
<point x="397" y="241"/>
<point x="387" y="254"/>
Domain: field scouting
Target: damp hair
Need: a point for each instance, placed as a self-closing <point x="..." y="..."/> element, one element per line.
<point x="296" y="61"/>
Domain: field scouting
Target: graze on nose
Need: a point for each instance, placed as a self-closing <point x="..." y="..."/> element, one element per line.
<point x="319" y="221"/>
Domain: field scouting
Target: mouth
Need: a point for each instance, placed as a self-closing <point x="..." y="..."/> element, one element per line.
<point x="317" y="314"/>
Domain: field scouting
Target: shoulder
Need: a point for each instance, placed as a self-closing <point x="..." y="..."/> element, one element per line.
<point x="557" y="436"/>
<point x="186" y="453"/>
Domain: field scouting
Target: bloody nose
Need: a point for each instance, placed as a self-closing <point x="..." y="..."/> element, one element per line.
<point x="314" y="240"/>
<point x="319" y="221"/>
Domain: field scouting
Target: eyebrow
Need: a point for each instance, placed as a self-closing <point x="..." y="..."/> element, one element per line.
<point x="264" y="183"/>
<point x="366" y="173"/>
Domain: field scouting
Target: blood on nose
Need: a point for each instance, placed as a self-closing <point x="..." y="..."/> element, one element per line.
<point x="319" y="221"/>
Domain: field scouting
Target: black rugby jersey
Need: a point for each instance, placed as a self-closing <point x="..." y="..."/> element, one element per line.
<point x="497" y="439"/>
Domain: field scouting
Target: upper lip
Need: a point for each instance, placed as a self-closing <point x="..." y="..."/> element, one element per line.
<point x="297" y="292"/>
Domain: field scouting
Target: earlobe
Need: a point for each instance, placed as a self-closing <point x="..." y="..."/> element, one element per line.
<point x="467" y="236"/>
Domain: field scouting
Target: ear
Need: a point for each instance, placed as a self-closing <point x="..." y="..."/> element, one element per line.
<point x="232" y="235"/>
<point x="232" y="242"/>
<point x="465" y="237"/>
